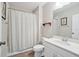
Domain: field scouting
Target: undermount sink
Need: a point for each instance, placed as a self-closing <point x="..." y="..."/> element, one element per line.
<point x="66" y="43"/>
<point x="62" y="42"/>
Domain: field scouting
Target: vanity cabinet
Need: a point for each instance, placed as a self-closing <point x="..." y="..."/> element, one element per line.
<point x="52" y="50"/>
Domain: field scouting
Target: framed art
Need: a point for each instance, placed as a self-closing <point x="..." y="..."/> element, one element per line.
<point x="64" y="21"/>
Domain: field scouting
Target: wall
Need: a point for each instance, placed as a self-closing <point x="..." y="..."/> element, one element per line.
<point x="38" y="13"/>
<point x="66" y="11"/>
<point x="4" y="34"/>
<point x="24" y="6"/>
<point x="0" y="27"/>
<point x="48" y="17"/>
<point x="44" y="13"/>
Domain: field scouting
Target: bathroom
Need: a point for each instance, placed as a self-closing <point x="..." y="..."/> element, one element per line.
<point x="39" y="29"/>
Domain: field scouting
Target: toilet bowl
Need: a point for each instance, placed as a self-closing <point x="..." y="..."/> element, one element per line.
<point x="38" y="50"/>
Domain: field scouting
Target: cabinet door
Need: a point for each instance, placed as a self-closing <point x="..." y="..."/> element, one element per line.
<point x="48" y="51"/>
<point x="56" y="55"/>
<point x="65" y="53"/>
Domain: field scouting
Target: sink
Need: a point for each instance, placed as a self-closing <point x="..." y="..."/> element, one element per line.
<point x="62" y="42"/>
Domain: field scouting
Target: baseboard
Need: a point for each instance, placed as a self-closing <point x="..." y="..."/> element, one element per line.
<point x="11" y="54"/>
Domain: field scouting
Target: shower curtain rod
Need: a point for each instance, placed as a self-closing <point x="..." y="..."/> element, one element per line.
<point x="19" y="10"/>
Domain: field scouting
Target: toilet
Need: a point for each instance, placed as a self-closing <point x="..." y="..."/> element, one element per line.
<point x="38" y="50"/>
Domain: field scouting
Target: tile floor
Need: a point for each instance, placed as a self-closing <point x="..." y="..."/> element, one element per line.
<point x="25" y="54"/>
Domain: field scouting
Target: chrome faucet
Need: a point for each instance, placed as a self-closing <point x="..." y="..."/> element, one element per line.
<point x="64" y="39"/>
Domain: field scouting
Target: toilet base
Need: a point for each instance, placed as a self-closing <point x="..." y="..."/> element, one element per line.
<point x="39" y="54"/>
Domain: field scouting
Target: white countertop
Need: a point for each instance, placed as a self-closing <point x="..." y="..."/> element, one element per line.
<point x="71" y="46"/>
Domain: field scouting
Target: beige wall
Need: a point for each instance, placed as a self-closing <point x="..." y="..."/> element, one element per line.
<point x="48" y="12"/>
<point x="38" y="13"/>
<point x="47" y="31"/>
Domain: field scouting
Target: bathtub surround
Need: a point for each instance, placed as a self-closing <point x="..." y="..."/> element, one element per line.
<point x="22" y="30"/>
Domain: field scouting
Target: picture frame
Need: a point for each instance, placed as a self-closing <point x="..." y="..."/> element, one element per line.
<point x="64" y="21"/>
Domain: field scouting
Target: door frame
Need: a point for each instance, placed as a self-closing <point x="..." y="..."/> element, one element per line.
<point x="72" y="25"/>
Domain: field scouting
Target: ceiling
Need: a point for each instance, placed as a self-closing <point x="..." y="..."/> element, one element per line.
<point x="26" y="6"/>
<point x="66" y="7"/>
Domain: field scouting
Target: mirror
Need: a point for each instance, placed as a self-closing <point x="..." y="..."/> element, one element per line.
<point x="66" y="19"/>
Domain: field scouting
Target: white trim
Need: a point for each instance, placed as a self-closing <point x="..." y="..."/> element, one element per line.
<point x="18" y="52"/>
<point x="20" y="10"/>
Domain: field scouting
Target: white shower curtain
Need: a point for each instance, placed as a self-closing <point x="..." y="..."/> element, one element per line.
<point x="22" y="30"/>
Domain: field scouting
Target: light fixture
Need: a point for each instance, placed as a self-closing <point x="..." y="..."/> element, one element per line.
<point x="61" y="4"/>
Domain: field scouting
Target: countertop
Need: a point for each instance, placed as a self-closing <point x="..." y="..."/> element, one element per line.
<point x="71" y="46"/>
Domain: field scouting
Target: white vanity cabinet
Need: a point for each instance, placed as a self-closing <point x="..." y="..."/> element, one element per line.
<point x="52" y="50"/>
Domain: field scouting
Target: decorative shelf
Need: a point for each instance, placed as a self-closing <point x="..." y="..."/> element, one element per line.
<point x="47" y="23"/>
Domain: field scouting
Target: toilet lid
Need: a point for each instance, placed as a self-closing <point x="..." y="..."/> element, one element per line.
<point x="38" y="46"/>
